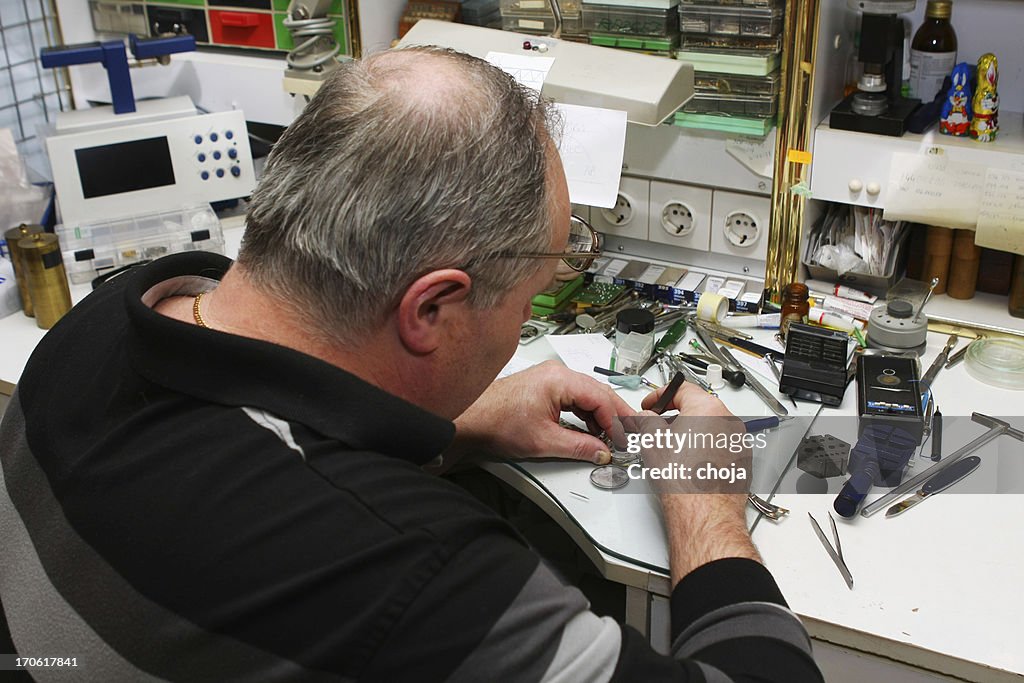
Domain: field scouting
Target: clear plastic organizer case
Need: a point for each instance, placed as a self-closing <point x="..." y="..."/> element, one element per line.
<point x="649" y="44"/>
<point x="636" y="21"/>
<point x="730" y="20"/>
<point x="536" y="23"/>
<point x="736" y="3"/>
<point x="732" y="105"/>
<point x="92" y="249"/>
<point x="752" y="45"/>
<point x="707" y="82"/>
<point x="539" y="6"/>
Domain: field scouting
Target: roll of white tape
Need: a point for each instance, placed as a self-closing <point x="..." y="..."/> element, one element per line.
<point x="712" y="307"/>
<point x="714" y="376"/>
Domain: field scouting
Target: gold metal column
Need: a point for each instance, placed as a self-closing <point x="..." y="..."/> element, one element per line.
<point x="795" y="131"/>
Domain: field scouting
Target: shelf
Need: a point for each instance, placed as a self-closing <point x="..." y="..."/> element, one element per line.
<point x="985" y="311"/>
<point x="841" y="156"/>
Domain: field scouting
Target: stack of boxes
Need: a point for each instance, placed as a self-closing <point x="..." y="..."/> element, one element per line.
<point x="735" y="47"/>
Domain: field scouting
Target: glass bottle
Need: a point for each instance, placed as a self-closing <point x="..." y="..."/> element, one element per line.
<point x="795" y="305"/>
<point x="933" y="51"/>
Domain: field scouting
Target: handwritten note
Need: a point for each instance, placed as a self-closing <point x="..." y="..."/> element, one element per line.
<point x="1001" y="215"/>
<point x="581" y="352"/>
<point x="757" y="155"/>
<point x="934" y="190"/>
<point x="526" y="69"/>
<point x="591" y="147"/>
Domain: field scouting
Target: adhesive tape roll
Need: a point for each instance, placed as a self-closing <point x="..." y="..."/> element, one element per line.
<point x="712" y="307"/>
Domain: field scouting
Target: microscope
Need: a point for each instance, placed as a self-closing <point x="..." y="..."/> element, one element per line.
<point x="878" y="106"/>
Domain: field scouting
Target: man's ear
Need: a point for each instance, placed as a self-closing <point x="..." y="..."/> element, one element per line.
<point x="430" y="307"/>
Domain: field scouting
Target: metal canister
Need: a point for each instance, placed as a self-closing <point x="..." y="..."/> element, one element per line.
<point x="12" y="237"/>
<point x="47" y="283"/>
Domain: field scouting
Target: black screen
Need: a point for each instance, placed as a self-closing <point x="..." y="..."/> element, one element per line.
<point x="124" y="167"/>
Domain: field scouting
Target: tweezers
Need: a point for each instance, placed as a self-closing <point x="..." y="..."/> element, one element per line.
<point x="835" y="553"/>
<point x="769" y="510"/>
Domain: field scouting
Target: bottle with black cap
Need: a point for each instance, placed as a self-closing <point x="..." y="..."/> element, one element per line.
<point x="634" y="340"/>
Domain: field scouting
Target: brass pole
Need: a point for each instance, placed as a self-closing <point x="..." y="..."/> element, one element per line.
<point x="793" y="142"/>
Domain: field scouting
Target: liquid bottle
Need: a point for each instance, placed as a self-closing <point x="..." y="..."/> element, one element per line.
<point x="795" y="305"/>
<point x="933" y="51"/>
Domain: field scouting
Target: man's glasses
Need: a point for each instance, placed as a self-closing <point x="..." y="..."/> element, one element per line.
<point x="583" y="247"/>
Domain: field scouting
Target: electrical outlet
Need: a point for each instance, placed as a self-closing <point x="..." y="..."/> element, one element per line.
<point x="680" y="215"/>
<point x="677" y="219"/>
<point x="741" y="229"/>
<point x="628" y="217"/>
<point x="622" y="213"/>
<point x="740" y="225"/>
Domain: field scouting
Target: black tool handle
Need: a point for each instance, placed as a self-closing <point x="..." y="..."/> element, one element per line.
<point x="937" y="436"/>
<point x="669" y="394"/>
<point x="951" y="475"/>
<point x="734" y="377"/>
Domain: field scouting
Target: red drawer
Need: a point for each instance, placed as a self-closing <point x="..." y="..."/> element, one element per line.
<point x="251" y="29"/>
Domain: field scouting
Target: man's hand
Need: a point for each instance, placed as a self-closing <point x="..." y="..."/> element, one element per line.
<point x="517" y="417"/>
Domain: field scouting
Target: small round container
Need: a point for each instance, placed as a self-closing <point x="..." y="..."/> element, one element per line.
<point x="998" y="362"/>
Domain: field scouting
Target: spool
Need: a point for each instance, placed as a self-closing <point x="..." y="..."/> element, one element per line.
<point x="937" y="253"/>
<point x="13" y="236"/>
<point x="963" y="266"/>
<point x="712" y="307"/>
<point x="47" y="283"/>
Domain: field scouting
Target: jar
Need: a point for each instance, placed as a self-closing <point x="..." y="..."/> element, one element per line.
<point x="634" y="340"/>
<point x="795" y="306"/>
<point x="933" y="51"/>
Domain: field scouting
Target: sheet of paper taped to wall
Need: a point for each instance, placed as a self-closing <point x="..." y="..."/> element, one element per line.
<point x="757" y="155"/>
<point x="592" y="145"/>
<point x="1001" y="215"/>
<point x="934" y="190"/>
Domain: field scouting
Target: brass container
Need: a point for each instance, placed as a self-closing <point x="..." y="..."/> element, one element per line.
<point x="13" y="236"/>
<point x="47" y="283"/>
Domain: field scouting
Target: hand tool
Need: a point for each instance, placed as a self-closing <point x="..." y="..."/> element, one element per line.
<point x="937" y="364"/>
<point x="667" y="341"/>
<point x="624" y="380"/>
<point x="758" y="388"/>
<point x="670" y="393"/>
<point x="927" y="297"/>
<point x="996" y="429"/>
<point x="778" y="378"/>
<point x="940" y="482"/>
<point x="960" y="355"/>
<point x="679" y="366"/>
<point x="753" y="348"/>
<point x="734" y="377"/>
<point x="937" y="436"/>
<point x="769" y="510"/>
<point x="835" y="553"/>
<point x="720" y="330"/>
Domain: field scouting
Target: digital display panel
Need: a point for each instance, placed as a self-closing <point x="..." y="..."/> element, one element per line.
<point x="124" y="167"/>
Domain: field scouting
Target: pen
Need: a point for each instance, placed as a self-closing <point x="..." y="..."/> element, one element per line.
<point x="937" y="436"/>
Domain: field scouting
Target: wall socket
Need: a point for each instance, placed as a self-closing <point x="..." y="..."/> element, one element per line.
<point x="680" y="215"/>
<point x="629" y="216"/>
<point x="740" y="224"/>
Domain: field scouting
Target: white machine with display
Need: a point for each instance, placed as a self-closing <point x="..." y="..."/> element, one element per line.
<point x="161" y="157"/>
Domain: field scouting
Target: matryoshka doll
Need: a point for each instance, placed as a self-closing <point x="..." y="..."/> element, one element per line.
<point x="956" y="110"/>
<point x="986" y="101"/>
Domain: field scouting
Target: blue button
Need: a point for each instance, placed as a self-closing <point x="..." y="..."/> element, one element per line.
<point x="229" y="135"/>
<point x="199" y="139"/>
<point x="202" y="158"/>
<point x="220" y="172"/>
<point x="235" y="171"/>
<point x="233" y="153"/>
<point x="213" y="137"/>
<point x="205" y="175"/>
<point x="216" y="155"/>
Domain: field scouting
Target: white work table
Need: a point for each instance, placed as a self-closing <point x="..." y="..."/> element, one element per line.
<point x="937" y="588"/>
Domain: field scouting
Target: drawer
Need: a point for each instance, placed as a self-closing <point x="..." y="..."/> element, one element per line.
<point x="249" y="29"/>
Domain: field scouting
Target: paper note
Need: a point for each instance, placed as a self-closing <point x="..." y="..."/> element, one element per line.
<point x="1001" y="215"/>
<point x="592" y="144"/>
<point x="758" y="156"/>
<point x="581" y="352"/>
<point x="515" y="364"/>
<point x="934" y="190"/>
<point x="526" y="69"/>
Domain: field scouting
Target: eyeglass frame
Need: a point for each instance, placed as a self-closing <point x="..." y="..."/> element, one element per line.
<point x="589" y="256"/>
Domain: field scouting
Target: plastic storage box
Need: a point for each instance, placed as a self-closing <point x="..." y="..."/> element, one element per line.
<point x="633" y="21"/>
<point x="732" y="105"/>
<point x="749" y="44"/>
<point x="539" y="6"/>
<point x="92" y="249"/>
<point x="707" y="82"/>
<point x="726" y="20"/>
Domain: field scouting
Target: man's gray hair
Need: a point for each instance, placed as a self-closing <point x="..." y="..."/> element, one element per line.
<point x="405" y="162"/>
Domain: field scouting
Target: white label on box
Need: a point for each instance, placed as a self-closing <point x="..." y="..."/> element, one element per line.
<point x="531" y="23"/>
<point x="714" y="284"/>
<point x="533" y="4"/>
<point x="651" y="275"/>
<point x="690" y="281"/>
